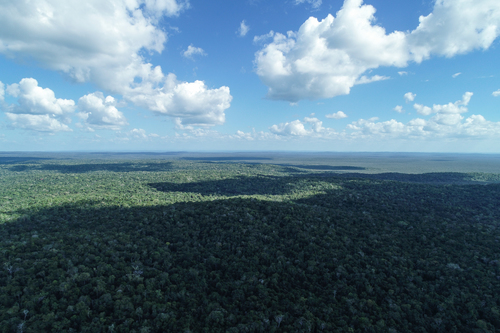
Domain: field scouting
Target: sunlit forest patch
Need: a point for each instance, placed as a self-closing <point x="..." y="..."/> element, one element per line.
<point x="204" y="246"/>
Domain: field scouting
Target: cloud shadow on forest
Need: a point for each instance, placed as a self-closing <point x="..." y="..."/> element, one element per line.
<point x="92" y="167"/>
<point x="16" y="159"/>
<point x="276" y="185"/>
<point x="227" y="158"/>
<point x="325" y="167"/>
<point x="436" y="178"/>
<point x="225" y="242"/>
<point x="241" y="185"/>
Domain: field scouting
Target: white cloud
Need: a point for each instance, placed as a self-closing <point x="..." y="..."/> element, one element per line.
<point x="365" y="79"/>
<point x="422" y="109"/>
<point x="191" y="51"/>
<point x="450" y="108"/>
<point x="496" y="93"/>
<point x="455" y="75"/>
<point x="314" y="3"/>
<point x="243" y="29"/>
<point x="37" y="108"/>
<point x="398" y="109"/>
<point x="336" y="115"/>
<point x="298" y="128"/>
<point x="33" y="99"/>
<point x="455" y="27"/>
<point x="101" y="41"/>
<point x="410" y="97"/>
<point x="2" y="92"/>
<point x="401" y="73"/>
<point x="243" y="135"/>
<point x="327" y="58"/>
<point x="295" y="127"/>
<point x="138" y="133"/>
<point x="439" y="126"/>
<point x="262" y="38"/>
<point x="99" y="112"/>
<point x="165" y="7"/>
<point x="370" y="126"/>
<point x="447" y="122"/>
<point x="192" y="102"/>
<point x="37" y="122"/>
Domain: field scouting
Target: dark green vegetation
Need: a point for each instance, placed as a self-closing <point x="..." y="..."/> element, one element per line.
<point x="179" y="246"/>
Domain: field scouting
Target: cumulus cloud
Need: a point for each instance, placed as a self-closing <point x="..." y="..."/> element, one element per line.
<point x="327" y="58"/>
<point x="33" y="99"/>
<point x="191" y="51"/>
<point x="298" y="128"/>
<point x="101" y="41"/>
<point x="496" y="93"/>
<point x="410" y="97"/>
<point x="365" y="79"/>
<point x="450" y="108"/>
<point x="435" y="127"/>
<point x="165" y="7"/>
<point x="39" y="123"/>
<point x="192" y="102"/>
<point x="37" y="108"/>
<point x="243" y="29"/>
<point x="455" y="27"/>
<point x="401" y="73"/>
<point x="314" y="3"/>
<point x="398" y="109"/>
<point x="138" y="133"/>
<point x="446" y="121"/>
<point x="99" y="112"/>
<point x="455" y="75"/>
<point x="336" y="115"/>
<point x="2" y="92"/>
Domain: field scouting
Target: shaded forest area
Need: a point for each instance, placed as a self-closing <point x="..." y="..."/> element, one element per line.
<point x="186" y="246"/>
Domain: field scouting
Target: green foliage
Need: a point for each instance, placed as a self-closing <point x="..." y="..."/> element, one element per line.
<point x="179" y="246"/>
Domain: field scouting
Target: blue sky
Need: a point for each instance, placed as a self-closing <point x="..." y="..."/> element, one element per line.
<point x="306" y="75"/>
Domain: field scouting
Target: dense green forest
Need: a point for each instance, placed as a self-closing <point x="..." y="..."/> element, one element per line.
<point x="201" y="246"/>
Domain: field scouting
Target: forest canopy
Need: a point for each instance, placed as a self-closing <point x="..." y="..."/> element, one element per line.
<point x="201" y="246"/>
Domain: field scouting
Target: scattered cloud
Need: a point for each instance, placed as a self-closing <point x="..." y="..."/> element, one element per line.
<point x="327" y="58"/>
<point x="446" y="121"/>
<point x="496" y="93"/>
<point x="455" y="27"/>
<point x="33" y="99"/>
<point x="38" y="122"/>
<point x="398" y="109"/>
<point x="191" y="51"/>
<point x="445" y="109"/>
<point x="2" y="92"/>
<point x="100" y="113"/>
<point x="138" y="133"/>
<point x="410" y="97"/>
<point x="263" y="38"/>
<point x="298" y="128"/>
<point x="455" y="75"/>
<point x="243" y="29"/>
<point x="365" y="79"/>
<point x="243" y="135"/>
<point x="102" y="41"/>
<point x="37" y="108"/>
<point x="192" y="102"/>
<point x="314" y="3"/>
<point x="336" y="115"/>
<point x="476" y="126"/>
<point x="401" y="73"/>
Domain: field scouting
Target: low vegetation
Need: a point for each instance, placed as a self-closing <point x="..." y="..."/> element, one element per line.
<point x="194" y="246"/>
